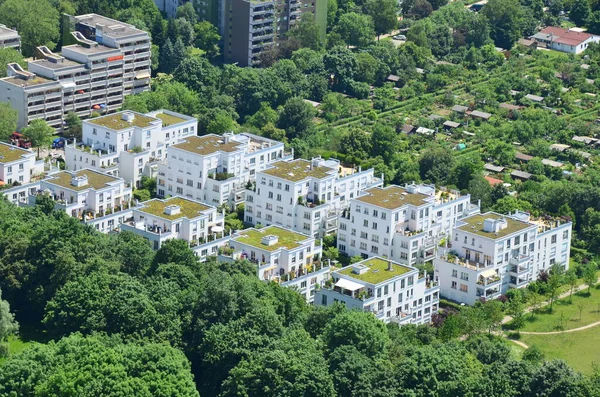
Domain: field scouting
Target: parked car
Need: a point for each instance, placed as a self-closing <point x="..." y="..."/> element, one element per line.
<point x="20" y="141"/>
<point x="58" y="143"/>
<point x="400" y="37"/>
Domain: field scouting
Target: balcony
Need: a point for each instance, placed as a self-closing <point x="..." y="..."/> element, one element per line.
<point x="489" y="278"/>
<point x="519" y="282"/>
<point x="466" y="263"/>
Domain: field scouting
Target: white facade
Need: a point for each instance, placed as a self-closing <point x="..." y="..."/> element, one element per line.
<point x="109" y="60"/>
<point x="17" y="167"/>
<point x="305" y="196"/>
<point x="215" y="169"/>
<point x="282" y="255"/>
<point x="391" y="291"/>
<point x="176" y="217"/>
<point x="128" y="144"/>
<point x="401" y="223"/>
<point x="490" y="253"/>
<point x="9" y="38"/>
<point x="88" y="195"/>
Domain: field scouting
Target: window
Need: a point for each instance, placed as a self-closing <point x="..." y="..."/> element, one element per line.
<point x="464" y="276"/>
<point x="9" y="169"/>
<point x="366" y="223"/>
<point x="375" y="213"/>
<point x="385" y="241"/>
<point x="270" y="195"/>
<point x="454" y="273"/>
<point x="375" y="238"/>
<point x="464" y="288"/>
<point x="453" y="285"/>
<point x="553" y="239"/>
<point x="374" y="225"/>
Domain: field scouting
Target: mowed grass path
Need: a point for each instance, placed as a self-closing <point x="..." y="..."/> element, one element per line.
<point x="580" y="349"/>
<point x="566" y="313"/>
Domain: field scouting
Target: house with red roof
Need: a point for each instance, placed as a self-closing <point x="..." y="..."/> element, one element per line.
<point x="572" y="41"/>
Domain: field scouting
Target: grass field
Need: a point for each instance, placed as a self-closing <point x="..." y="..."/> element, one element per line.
<point x="580" y="349"/>
<point x="566" y="313"/>
<point x="15" y="345"/>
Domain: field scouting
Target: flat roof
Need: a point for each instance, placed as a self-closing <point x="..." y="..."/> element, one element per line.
<point x="94" y="49"/>
<point x="378" y="270"/>
<point x="7" y="33"/>
<point x="493" y="168"/>
<point x="392" y="197"/>
<point x="474" y="224"/>
<point x="522" y="156"/>
<point x="169" y="119"/>
<point x="115" y="121"/>
<point x="521" y="174"/>
<point x="64" y="63"/>
<point x="19" y="82"/>
<point x="208" y="144"/>
<point x="187" y="208"/>
<point x="10" y="153"/>
<point x="112" y="27"/>
<point x="459" y="108"/>
<point x="286" y="238"/>
<point x="96" y="180"/>
<point x="552" y="163"/>
<point x="298" y="170"/>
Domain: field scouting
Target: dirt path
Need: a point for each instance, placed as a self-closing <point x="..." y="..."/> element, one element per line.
<point x="562" y="332"/>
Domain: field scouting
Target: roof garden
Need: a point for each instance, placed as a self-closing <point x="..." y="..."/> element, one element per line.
<point x="378" y="271"/>
<point x="298" y="170"/>
<point x="10" y="153"/>
<point x="117" y="122"/>
<point x="208" y="144"/>
<point x="187" y="208"/>
<point x="286" y="238"/>
<point x="392" y="197"/>
<point x="474" y="224"/>
<point x="37" y="80"/>
<point x="96" y="180"/>
<point x="169" y="119"/>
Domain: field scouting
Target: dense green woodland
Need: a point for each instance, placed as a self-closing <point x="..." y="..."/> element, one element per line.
<point x="118" y="319"/>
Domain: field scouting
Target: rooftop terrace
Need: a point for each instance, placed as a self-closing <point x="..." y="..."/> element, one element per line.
<point x="298" y="170"/>
<point x="96" y="180"/>
<point x="115" y="121"/>
<point x="378" y="271"/>
<point x="474" y="224"/>
<point x="208" y="144"/>
<point x="286" y="238"/>
<point x="188" y="208"/>
<point x="392" y="197"/>
<point x="10" y="153"/>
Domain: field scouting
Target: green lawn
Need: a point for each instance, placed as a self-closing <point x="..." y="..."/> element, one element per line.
<point x="580" y="349"/>
<point x="566" y="313"/>
<point x="15" y="345"/>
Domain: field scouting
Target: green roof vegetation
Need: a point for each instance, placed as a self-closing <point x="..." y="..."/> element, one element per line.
<point x="378" y="271"/>
<point x="208" y="144"/>
<point x="9" y="153"/>
<point x="169" y="119"/>
<point x="286" y="238"/>
<point x="392" y="197"/>
<point x="37" y="80"/>
<point x="297" y="170"/>
<point x="115" y="121"/>
<point x="474" y="224"/>
<point x="96" y="180"/>
<point x="188" y="208"/>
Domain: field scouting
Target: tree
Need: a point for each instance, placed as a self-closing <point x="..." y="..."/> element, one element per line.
<point x="359" y="329"/>
<point x="10" y="55"/>
<point x="535" y="300"/>
<point x="580" y="12"/>
<point x="296" y="118"/>
<point x="307" y="33"/>
<point x="39" y="133"/>
<point x="493" y="314"/>
<point x="516" y="309"/>
<point x="8" y="325"/>
<point x="356" y="143"/>
<point x="590" y="278"/>
<point x="8" y="121"/>
<point x="176" y="251"/>
<point x="220" y="124"/>
<point x="36" y="21"/>
<point x="165" y="60"/>
<point x="356" y="29"/>
<point x="98" y="366"/>
<point x="384" y="15"/>
<point x="73" y="124"/>
<point x="187" y="12"/>
<point x="435" y="164"/>
<point x="207" y="38"/>
<point x="480" y="189"/>
<point x="421" y="9"/>
<point x="383" y="140"/>
<point x="331" y="253"/>
<point x="506" y="20"/>
<point x="554" y="282"/>
<point x="571" y="281"/>
<point x="500" y="152"/>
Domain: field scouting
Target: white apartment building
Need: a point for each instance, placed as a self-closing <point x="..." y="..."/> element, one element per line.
<point x="305" y="196"/>
<point x="9" y="38"/>
<point x="107" y="61"/>
<point x="282" y="255"/>
<point x="176" y="217"/>
<point x="128" y="144"/>
<point x="89" y="195"/>
<point x="401" y="223"/>
<point x="215" y="169"/>
<point x="17" y="167"/>
<point x="491" y="253"/>
<point x="393" y="292"/>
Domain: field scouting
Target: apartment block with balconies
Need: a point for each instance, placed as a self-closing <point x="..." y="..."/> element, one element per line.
<point x="393" y="292"/>
<point x="215" y="169"/>
<point x="305" y="196"/>
<point x="17" y="168"/>
<point x="9" y="38"/>
<point x="401" y="223"/>
<point x="290" y="258"/>
<point x="490" y="253"/>
<point x="127" y="143"/>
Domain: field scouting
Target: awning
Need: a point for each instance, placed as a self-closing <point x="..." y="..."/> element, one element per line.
<point x="488" y="273"/>
<point x="143" y="75"/>
<point x="348" y="284"/>
<point x="273" y="266"/>
<point x="217" y="229"/>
